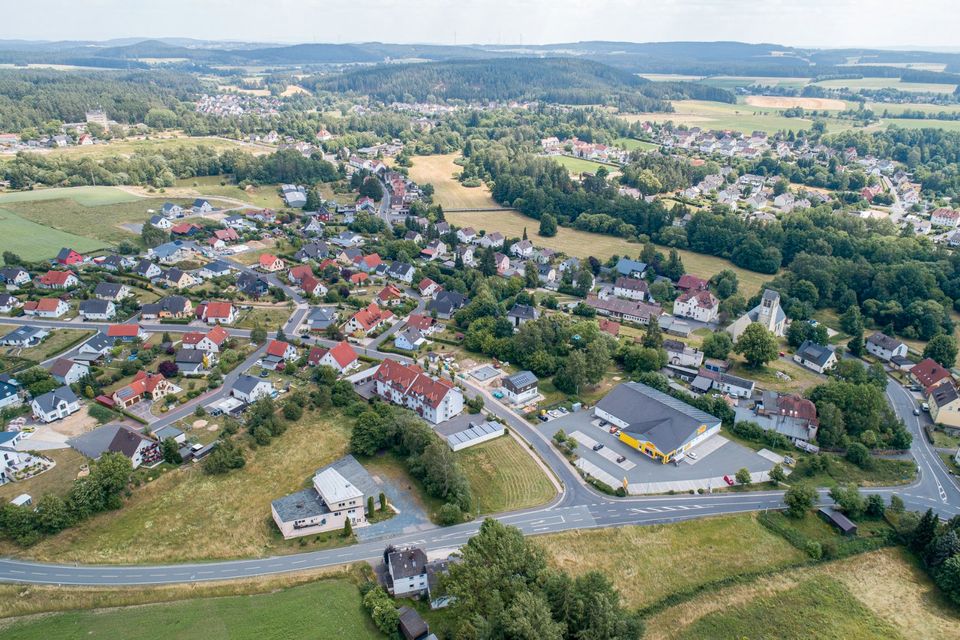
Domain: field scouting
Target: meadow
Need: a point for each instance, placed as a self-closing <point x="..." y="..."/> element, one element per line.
<point x="188" y="515"/>
<point x="441" y="172"/>
<point x="32" y="241"/>
<point x="582" y="244"/>
<point x="504" y="477"/>
<point x="329" y="607"/>
<point x="577" y="166"/>
<point x="150" y="145"/>
<point x="631" y="145"/>
<point x="886" y="83"/>
<point x="265" y="196"/>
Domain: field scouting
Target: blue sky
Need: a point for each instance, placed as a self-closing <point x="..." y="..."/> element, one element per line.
<point x="824" y="23"/>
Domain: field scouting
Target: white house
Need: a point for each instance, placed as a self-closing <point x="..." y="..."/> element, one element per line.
<point x="699" y="305"/>
<point x="326" y="506"/>
<point x="250" y="389"/>
<point x="815" y="357"/>
<point x="434" y="400"/>
<point x="631" y="288"/>
<point x="67" y="371"/>
<point x="55" y="405"/>
<point x="520" y="388"/>
<point x="885" y="347"/>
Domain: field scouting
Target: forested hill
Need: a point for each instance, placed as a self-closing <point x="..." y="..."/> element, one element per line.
<point x="558" y="80"/>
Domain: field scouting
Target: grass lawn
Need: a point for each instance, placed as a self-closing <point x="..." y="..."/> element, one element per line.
<point x="58" y="480"/>
<point x="504" y="477"/>
<point x="87" y="196"/>
<point x="265" y="196"/>
<point x="328" y="608"/>
<point x="630" y="144"/>
<point x="895" y="109"/>
<point x="686" y="555"/>
<point x="800" y="380"/>
<point x="820" y="607"/>
<point x="34" y="242"/>
<point x="56" y="342"/>
<point x="942" y="440"/>
<point x="441" y="172"/>
<point x="887" y="583"/>
<point x="738" y="117"/>
<point x="188" y="515"/>
<point x="270" y="318"/>
<point x="732" y="82"/>
<point x="579" y="165"/>
<point x="155" y="145"/>
<point x="855" y="84"/>
<point x="582" y="244"/>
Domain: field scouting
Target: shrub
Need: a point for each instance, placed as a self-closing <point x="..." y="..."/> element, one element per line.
<point x="449" y="514"/>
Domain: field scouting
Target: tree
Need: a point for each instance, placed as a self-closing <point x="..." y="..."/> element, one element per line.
<point x="548" y="226"/>
<point x="653" y="336"/>
<point x="475" y="404"/>
<point x="152" y="236"/>
<point x="718" y="345"/>
<point x="383" y="501"/>
<point x="896" y="504"/>
<point x="849" y="499"/>
<point x="875" y="506"/>
<point x="743" y="476"/>
<point x="371" y="188"/>
<point x="948" y="578"/>
<point x="799" y="498"/>
<point x="369" y="506"/>
<point x="859" y="455"/>
<point x="258" y="335"/>
<point x="449" y="514"/>
<point x="924" y="533"/>
<point x="777" y="474"/>
<point x="382" y="611"/>
<point x="757" y="345"/>
<point x="573" y="375"/>
<point x="943" y="349"/>
<point x="529" y="618"/>
<point x="347" y="528"/>
<point x="171" y="451"/>
<point x="168" y="369"/>
<point x="10" y="258"/>
<point x="855" y="345"/>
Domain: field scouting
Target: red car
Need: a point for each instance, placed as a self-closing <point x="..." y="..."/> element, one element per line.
<point x="730" y="481"/>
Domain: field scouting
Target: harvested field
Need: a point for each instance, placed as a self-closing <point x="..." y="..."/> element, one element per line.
<point x="786" y="102"/>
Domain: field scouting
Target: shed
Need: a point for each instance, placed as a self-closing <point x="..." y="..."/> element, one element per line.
<point x="838" y="520"/>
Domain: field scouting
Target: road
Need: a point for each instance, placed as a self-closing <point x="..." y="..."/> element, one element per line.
<point x="577" y="506"/>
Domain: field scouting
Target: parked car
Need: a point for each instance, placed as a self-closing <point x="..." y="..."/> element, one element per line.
<point x="692" y="455"/>
<point x="925" y="407"/>
<point x="603" y="423"/>
<point x="598" y="446"/>
<point x="916" y="411"/>
<point x="730" y="481"/>
<point x="621" y="459"/>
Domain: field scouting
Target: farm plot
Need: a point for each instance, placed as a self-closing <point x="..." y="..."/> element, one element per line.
<point x="441" y="172"/>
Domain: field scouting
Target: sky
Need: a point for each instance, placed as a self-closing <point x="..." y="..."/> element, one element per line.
<point x="920" y="24"/>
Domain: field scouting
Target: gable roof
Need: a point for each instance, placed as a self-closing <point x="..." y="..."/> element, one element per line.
<point x="928" y="372"/>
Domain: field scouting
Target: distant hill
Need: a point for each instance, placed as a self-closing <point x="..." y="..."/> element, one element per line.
<point x="559" y="80"/>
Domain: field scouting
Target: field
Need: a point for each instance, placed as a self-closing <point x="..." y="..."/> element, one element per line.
<point x="894" y="109"/>
<point x="86" y="196"/>
<point x="330" y="608"/>
<point x="270" y="318"/>
<point x="688" y="554"/>
<point x="912" y="123"/>
<point x="582" y="244"/>
<point x="738" y="117"/>
<point x="440" y="171"/>
<point x="33" y="242"/>
<point x="152" y="145"/>
<point x="881" y="594"/>
<point x="504" y="477"/>
<point x="187" y="515"/>
<point x="785" y="102"/>
<point x="577" y="166"/>
<point x="732" y="82"/>
<point x="265" y="196"/>
<point x="886" y="83"/>
<point x="630" y="144"/>
<point x="58" y="480"/>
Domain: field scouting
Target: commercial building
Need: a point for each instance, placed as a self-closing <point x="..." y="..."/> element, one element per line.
<point x="324" y="507"/>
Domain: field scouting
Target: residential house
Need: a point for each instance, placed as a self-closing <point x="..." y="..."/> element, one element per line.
<point x="161" y="223"/>
<point x="312" y="251"/>
<point x="428" y="288"/>
<point x="401" y="271"/>
<point x="369" y="263"/>
<point x="201" y="206"/>
<point x="630" y="268"/>
<point x="521" y="313"/>
<point x="681" y="355"/>
<point x="367" y="320"/>
<point x="178" y="279"/>
<point x="627" y="310"/>
<point x="409" y="339"/>
<point x="148" y="270"/>
<point x="610" y="327"/>
<point x="885" y="347"/>
<point x="194" y="362"/>
<point x="321" y="318"/>
<point x="347" y="239"/>
<point x="944" y="217"/>
<point x="212" y="341"/>
<point x="311" y="286"/>
<point x="491" y="240"/>
<point x="278" y="353"/>
<point x="25" y="336"/>
<point x="522" y="249"/>
<point x="546" y="274"/>
<point x="435" y="400"/>
<point x="9" y="303"/>
<point x="688" y="282"/>
<point x="502" y="262"/>
<point x="270" y="263"/>
<point x="68" y="372"/>
<point x="435" y="250"/>
<point x="725" y="383"/>
<point x="654" y="423"/>
<point x="97" y="309"/>
<point x="929" y="373"/>
<point x="944" y="402"/>
<point x="97" y="346"/>
<point x="185" y="229"/>
<point x="446" y="303"/>
<point x="117" y="438"/>
<point x="217" y="312"/>
<point x="326" y="506"/>
<point x="144" y="385"/>
<point x="55" y="405"/>
<point x="468" y="234"/>
<point x="252" y="285"/>
<point x="815" y="357"/>
<point x="46" y="308"/>
<point x="172" y="252"/>
<point x="789" y="415"/>
<point x="250" y="389"/>
<point x="631" y="288"/>
<point x="58" y="280"/>
<point x="698" y="305"/>
<point x="14" y="277"/>
<point x="111" y="291"/>
<point x="423" y="323"/>
<point x="341" y="357"/>
<point x="175" y="307"/>
<point x="520" y="388"/>
<point x="69" y="257"/>
<point x="126" y="332"/>
<point x="390" y="296"/>
<point x="171" y="210"/>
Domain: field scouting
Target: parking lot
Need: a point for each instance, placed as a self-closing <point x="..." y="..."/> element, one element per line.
<point x="714" y="458"/>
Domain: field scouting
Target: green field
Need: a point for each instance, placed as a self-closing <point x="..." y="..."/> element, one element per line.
<point x="886" y="83"/>
<point x="103" y="223"/>
<point x="911" y="123"/>
<point x="265" y="196"/>
<point x="738" y="117"/>
<point x="129" y="147"/>
<point x="327" y="608"/>
<point x="504" y="477"/>
<point x="87" y="196"/>
<point x="894" y="109"/>
<point x="732" y="82"/>
<point x="630" y="144"/>
<point x="817" y="608"/>
<point x="32" y="241"/>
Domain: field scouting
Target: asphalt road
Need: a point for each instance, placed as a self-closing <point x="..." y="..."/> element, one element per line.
<point x="576" y="507"/>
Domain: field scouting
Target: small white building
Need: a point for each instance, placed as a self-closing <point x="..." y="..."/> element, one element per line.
<point x="520" y="388"/>
<point x="698" y="305"/>
<point x="324" y="507"/>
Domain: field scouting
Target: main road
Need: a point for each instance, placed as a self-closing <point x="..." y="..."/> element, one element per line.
<point x="577" y="506"/>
